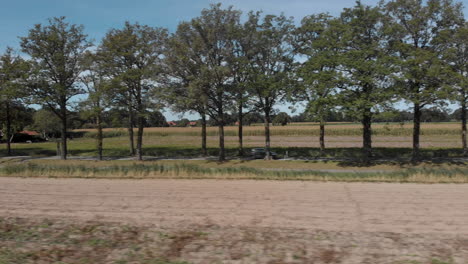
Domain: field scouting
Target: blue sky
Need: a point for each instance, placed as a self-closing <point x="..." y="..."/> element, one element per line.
<point x="98" y="16"/>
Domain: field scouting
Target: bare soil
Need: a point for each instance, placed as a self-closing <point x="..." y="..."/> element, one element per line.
<point x="217" y="221"/>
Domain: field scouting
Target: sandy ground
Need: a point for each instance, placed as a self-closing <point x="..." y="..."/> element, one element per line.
<point x="328" y="206"/>
<point x="378" y="222"/>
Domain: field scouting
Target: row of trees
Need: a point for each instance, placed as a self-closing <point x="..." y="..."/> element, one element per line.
<point x="360" y="62"/>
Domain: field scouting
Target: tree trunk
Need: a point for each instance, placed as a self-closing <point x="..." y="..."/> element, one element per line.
<point x="267" y="134"/>
<point x="322" y="137"/>
<point x="222" y="153"/>
<point x="367" y="134"/>
<point x="8" y="128"/>
<point x="140" y="138"/>
<point x="203" y="134"/>
<point x="130" y="131"/>
<point x="58" y="146"/>
<point x="240" y="131"/>
<point x="140" y="121"/>
<point x="63" y="110"/>
<point x="416" y="132"/>
<point x="99" y="134"/>
<point x="463" y="124"/>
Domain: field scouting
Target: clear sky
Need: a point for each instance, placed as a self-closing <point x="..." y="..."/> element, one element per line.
<point x="98" y="16"/>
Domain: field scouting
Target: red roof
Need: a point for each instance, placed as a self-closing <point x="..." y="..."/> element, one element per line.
<point x="31" y="133"/>
<point x="193" y="123"/>
<point x="171" y="123"/>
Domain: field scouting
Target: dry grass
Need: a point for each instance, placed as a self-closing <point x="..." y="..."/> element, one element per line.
<point x="263" y="164"/>
<point x="211" y="170"/>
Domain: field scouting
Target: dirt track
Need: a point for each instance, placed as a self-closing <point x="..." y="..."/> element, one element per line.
<point x="360" y="207"/>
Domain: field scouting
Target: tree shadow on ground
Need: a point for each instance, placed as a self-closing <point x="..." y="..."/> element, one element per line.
<point x="345" y="157"/>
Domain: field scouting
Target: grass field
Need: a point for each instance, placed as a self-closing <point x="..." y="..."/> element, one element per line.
<point x="342" y="140"/>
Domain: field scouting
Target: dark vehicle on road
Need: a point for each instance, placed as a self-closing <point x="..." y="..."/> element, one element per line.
<point x="260" y="153"/>
<point x="25" y="138"/>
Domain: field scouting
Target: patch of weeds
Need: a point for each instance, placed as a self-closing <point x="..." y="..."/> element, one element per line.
<point x="135" y="248"/>
<point x="12" y="257"/>
<point x="85" y="261"/>
<point x="319" y="237"/>
<point x="87" y="228"/>
<point x="163" y="235"/>
<point x="45" y="224"/>
<point x="331" y="256"/>
<point x="438" y="261"/>
<point x="51" y="254"/>
<point x="97" y="242"/>
<point x="14" y="231"/>
<point x="163" y="261"/>
<point x="407" y="262"/>
<point x="179" y="241"/>
<point x="296" y="257"/>
<point x="201" y="234"/>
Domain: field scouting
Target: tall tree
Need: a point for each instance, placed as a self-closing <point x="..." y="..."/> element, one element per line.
<point x="454" y="48"/>
<point x="366" y="64"/>
<point x="243" y="52"/>
<point x="133" y="57"/>
<point x="96" y="85"/>
<point x="215" y="30"/>
<point x="13" y="70"/>
<point x="183" y="74"/>
<point x="122" y="102"/>
<point x="417" y="24"/>
<point x="56" y="49"/>
<point x="271" y="64"/>
<point x="207" y="43"/>
<point x="317" y="40"/>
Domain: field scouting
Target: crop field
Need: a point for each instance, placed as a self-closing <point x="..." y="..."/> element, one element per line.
<point x="299" y="129"/>
<point x="296" y="141"/>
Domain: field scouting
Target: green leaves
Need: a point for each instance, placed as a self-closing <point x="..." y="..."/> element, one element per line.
<point x="199" y="74"/>
<point x="13" y="75"/>
<point x="270" y="61"/>
<point x="418" y="33"/>
<point x="130" y="65"/>
<point x="317" y="40"/>
<point x="56" y="50"/>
